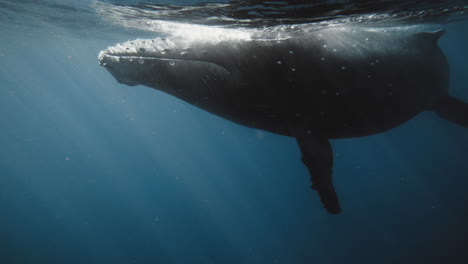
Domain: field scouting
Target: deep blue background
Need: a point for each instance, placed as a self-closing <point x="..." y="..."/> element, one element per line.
<point x="92" y="171"/>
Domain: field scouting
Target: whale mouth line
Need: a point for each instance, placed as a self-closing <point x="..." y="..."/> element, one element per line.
<point x="130" y="56"/>
<point x="108" y="59"/>
<point x="116" y="57"/>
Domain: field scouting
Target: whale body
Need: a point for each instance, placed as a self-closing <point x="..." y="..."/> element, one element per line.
<point x="316" y="85"/>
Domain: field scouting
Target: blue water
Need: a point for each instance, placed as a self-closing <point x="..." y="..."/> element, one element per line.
<point x="93" y="171"/>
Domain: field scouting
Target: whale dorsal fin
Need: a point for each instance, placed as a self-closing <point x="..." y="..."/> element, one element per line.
<point x="432" y="36"/>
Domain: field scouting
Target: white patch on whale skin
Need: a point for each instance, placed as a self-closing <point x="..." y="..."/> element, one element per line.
<point x="193" y="32"/>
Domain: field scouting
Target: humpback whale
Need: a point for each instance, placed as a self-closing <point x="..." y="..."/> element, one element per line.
<point x="316" y="85"/>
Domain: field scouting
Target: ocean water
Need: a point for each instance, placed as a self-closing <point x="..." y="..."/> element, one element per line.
<point x="93" y="171"/>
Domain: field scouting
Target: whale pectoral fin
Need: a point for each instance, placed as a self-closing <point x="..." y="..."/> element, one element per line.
<point x="454" y="110"/>
<point x="317" y="155"/>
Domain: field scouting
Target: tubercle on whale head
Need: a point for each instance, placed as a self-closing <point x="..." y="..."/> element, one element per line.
<point x="162" y="48"/>
<point x="186" y="41"/>
<point x="144" y="48"/>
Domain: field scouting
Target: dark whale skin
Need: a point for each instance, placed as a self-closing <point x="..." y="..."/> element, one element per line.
<point x="337" y="82"/>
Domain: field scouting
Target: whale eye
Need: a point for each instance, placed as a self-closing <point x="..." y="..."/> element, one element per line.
<point x="142" y="49"/>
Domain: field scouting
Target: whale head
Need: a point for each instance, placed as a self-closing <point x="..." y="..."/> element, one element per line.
<point x="179" y="67"/>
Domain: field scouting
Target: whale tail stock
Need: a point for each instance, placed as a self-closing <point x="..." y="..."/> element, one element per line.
<point x="454" y="110"/>
<point x="317" y="155"/>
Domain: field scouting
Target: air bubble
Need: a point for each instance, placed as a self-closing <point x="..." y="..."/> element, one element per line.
<point x="343" y="67"/>
<point x="322" y="59"/>
<point x="293" y="69"/>
<point x="334" y="50"/>
<point x="291" y="52"/>
<point x="279" y="62"/>
<point x="325" y="46"/>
